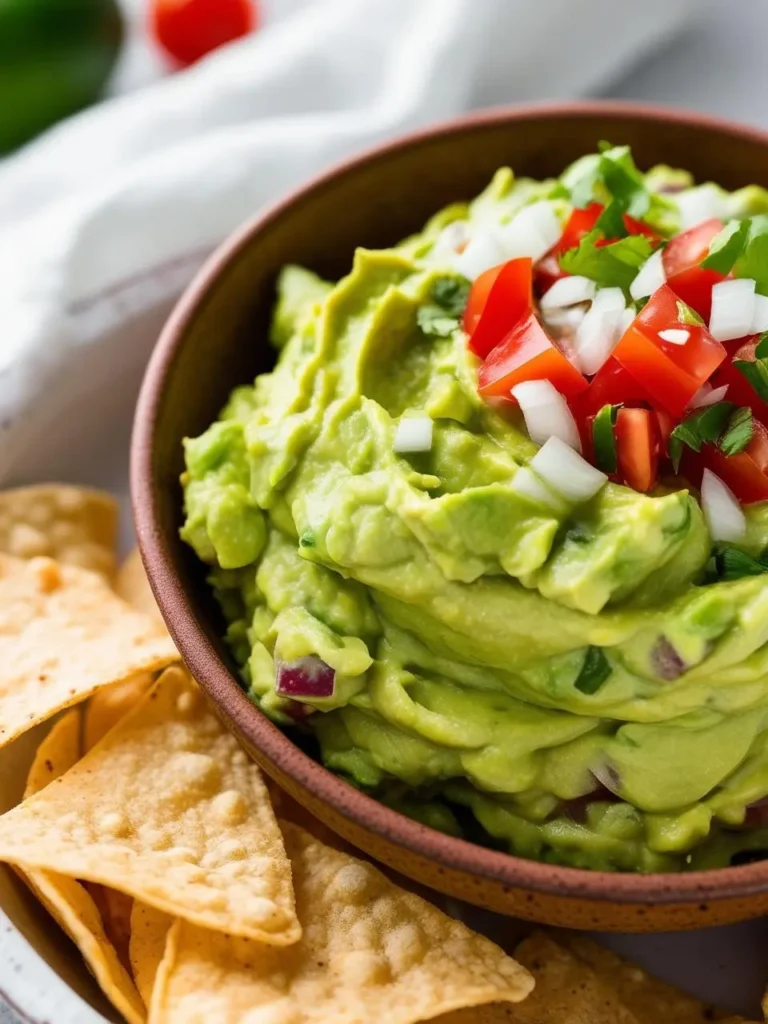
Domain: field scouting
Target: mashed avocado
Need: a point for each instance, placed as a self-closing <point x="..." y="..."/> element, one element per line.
<point x="559" y="683"/>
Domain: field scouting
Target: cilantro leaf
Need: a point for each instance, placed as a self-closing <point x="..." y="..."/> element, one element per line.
<point x="738" y="432"/>
<point x="732" y="564"/>
<point x="705" y="426"/>
<point x="595" y="669"/>
<point x="756" y="371"/>
<point x="687" y="315"/>
<point x="611" y="220"/>
<point x="613" y="265"/>
<point x="604" y="438"/>
<point x="742" y="247"/>
<point x="451" y="294"/>
<point x="433" y="322"/>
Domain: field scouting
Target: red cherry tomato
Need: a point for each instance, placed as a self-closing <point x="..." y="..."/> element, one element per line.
<point x="740" y="390"/>
<point x="189" y="29"/>
<point x="498" y="300"/>
<point x="746" y="473"/>
<point x="681" y="259"/>
<point x="637" y="447"/>
<point x="672" y="374"/>
<point x="528" y="353"/>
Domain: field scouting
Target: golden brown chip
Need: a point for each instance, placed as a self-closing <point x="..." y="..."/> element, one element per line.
<point x="64" y="635"/>
<point x="74" y="525"/>
<point x="115" y="912"/>
<point x="66" y="899"/>
<point x="109" y="705"/>
<point x="168" y="809"/>
<point x="149" y="931"/>
<point x="370" y="952"/>
<point x="133" y="586"/>
<point x="650" y="999"/>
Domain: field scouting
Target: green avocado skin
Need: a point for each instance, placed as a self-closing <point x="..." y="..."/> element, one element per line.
<point x="55" y="59"/>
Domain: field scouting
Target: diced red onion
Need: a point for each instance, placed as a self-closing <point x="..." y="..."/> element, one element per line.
<point x="607" y="775"/>
<point x="722" y="512"/>
<point x="564" y="470"/>
<point x="733" y="308"/>
<point x="531" y="232"/>
<point x="546" y="413"/>
<point x="707" y="395"/>
<point x="665" y="661"/>
<point x="305" y="678"/>
<point x="482" y="252"/>
<point x="650" y="277"/>
<point x="701" y="203"/>
<point x="760" y="316"/>
<point x="568" y="291"/>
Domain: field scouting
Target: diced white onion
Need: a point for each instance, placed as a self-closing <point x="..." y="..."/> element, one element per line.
<point x="568" y="291"/>
<point x="546" y="413"/>
<point x="531" y="232"/>
<point x="453" y="237"/>
<point x="566" y="471"/>
<point x="760" y="315"/>
<point x="707" y="395"/>
<point x="600" y="330"/>
<point x="733" y="309"/>
<point x="625" y="320"/>
<point x="722" y="512"/>
<point x="528" y="485"/>
<point x="564" y="322"/>
<point x="701" y="203"/>
<point x="650" y="277"/>
<point x="675" y="335"/>
<point x="482" y="252"/>
<point x="413" y="434"/>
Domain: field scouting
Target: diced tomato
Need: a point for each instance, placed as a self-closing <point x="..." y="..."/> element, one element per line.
<point x="672" y="374"/>
<point x="503" y="297"/>
<point x="681" y="259"/>
<point x="638" y="227"/>
<point x="740" y="390"/>
<point x="189" y="29"/>
<point x="637" y="446"/>
<point x="665" y="425"/>
<point x="746" y="473"/>
<point x="528" y="353"/>
<point x="611" y="385"/>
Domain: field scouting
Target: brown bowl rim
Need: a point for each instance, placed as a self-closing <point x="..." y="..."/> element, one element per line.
<point x="222" y="686"/>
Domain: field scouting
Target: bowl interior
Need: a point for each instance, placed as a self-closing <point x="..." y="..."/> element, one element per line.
<point x="216" y="339"/>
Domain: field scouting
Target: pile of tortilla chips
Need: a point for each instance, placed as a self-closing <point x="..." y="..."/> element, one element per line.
<point x="151" y="838"/>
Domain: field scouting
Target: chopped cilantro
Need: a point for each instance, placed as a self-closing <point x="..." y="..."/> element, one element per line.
<point x="756" y="371"/>
<point x="449" y="299"/>
<point x="613" y="265"/>
<point x="604" y="439"/>
<point x="733" y="564"/>
<point x="723" y="424"/>
<point x="687" y="315"/>
<point x="738" y="433"/>
<point x="595" y="669"/>
<point x="742" y="247"/>
<point x="433" y="321"/>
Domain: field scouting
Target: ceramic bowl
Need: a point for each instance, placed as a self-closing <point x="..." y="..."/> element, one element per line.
<point x="216" y="339"/>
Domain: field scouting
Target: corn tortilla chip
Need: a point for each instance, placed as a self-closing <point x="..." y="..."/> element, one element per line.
<point x="64" y="635"/>
<point x="66" y="900"/>
<point x="115" y="912"/>
<point x="133" y="586"/>
<point x="149" y="931"/>
<point x="168" y="809"/>
<point x="370" y="951"/>
<point x="74" y="525"/>
<point x="650" y="999"/>
<point x="111" y="704"/>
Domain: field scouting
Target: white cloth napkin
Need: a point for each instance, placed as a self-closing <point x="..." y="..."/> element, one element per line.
<point x="104" y="219"/>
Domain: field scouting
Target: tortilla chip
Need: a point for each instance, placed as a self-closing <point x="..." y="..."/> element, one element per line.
<point x="149" y="931"/>
<point x="115" y="912"/>
<point x="370" y="952"/>
<point x="133" y="586"/>
<point x="64" y="635"/>
<point x="111" y="704"/>
<point x="168" y="809"/>
<point x="65" y="899"/>
<point x="74" y="525"/>
<point x="650" y="999"/>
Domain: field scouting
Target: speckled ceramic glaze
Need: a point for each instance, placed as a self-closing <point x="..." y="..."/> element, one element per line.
<point x="216" y="339"/>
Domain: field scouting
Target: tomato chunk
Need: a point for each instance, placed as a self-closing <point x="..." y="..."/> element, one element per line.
<point x="637" y="446"/>
<point x="746" y="473"/>
<point x="740" y="390"/>
<point x="498" y="301"/>
<point x="681" y="259"/>
<point x="611" y="385"/>
<point x="528" y="353"/>
<point x="671" y="373"/>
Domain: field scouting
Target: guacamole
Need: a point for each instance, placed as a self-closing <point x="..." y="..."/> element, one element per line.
<point x="570" y="682"/>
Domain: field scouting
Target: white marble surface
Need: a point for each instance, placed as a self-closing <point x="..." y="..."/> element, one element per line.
<point x="718" y="66"/>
